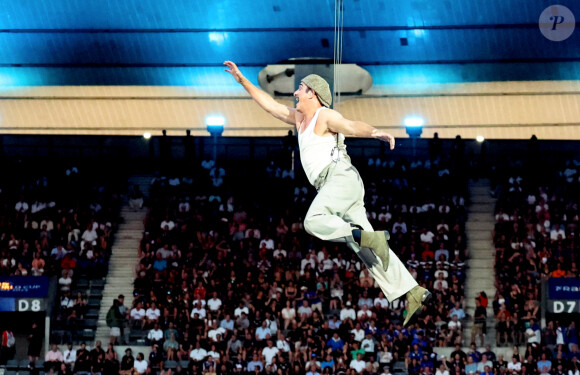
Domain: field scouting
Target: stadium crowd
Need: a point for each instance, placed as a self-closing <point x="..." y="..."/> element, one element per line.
<point x="59" y="223"/>
<point x="229" y="281"/>
<point x="536" y="239"/>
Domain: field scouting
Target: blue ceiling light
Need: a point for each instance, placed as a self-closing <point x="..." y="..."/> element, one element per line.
<point x="218" y="37"/>
<point x="414" y="126"/>
<point x="215" y="124"/>
<point x="414" y="122"/>
<point x="419" y="33"/>
<point x="215" y="121"/>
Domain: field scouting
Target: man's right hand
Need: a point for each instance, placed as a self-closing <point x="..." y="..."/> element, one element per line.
<point x="234" y="71"/>
<point x="264" y="100"/>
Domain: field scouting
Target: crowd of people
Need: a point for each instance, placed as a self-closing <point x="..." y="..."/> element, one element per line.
<point x="55" y="225"/>
<point x="536" y="239"/>
<point x="229" y="281"/>
<point x="59" y="223"/>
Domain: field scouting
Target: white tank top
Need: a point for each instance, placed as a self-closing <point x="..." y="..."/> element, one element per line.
<point x="316" y="151"/>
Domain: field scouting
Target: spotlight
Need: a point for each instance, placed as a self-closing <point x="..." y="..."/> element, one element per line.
<point x="215" y="124"/>
<point x="480" y="138"/>
<point x="147" y="135"/>
<point x="414" y="126"/>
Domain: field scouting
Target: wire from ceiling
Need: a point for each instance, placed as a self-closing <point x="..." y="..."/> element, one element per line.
<point x="338" y="34"/>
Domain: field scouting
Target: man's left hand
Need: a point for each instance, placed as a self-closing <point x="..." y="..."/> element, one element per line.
<point x="384" y="136"/>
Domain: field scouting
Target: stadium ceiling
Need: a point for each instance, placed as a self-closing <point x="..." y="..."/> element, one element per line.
<point x="183" y="43"/>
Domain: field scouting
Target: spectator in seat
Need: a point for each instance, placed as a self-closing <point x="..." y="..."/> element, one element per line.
<point x="233" y="347"/>
<point x="490" y="354"/>
<point x="458" y="311"/>
<point x="285" y="351"/>
<point x="214" y="333"/>
<point x="242" y="322"/>
<point x="83" y="362"/>
<point x="140" y="364"/>
<point x="571" y="338"/>
<point x="399" y="227"/>
<point x="152" y="315"/>
<point x="347" y="312"/>
<point x="441" y="251"/>
<point x="515" y="366"/>
<point x="455" y="331"/>
<point x="127" y="362"/>
<point x="544" y="365"/>
<point x="241" y="308"/>
<point x="155" y="357"/>
<point x="214" y="305"/>
<point x="269" y="352"/>
<point x="533" y="333"/>
<point x="227" y="323"/>
<point x="98" y="364"/>
<point x="485" y="362"/>
<point x="70" y="356"/>
<point x="358" y="364"/>
<point x="137" y="316"/>
<point x="262" y="332"/>
<point x="167" y="224"/>
<point x="155" y="335"/>
<point x="53" y="358"/>
<point x="197" y="355"/>
<point x="255" y="363"/>
<point x="335" y="344"/>
<point x="304" y="311"/>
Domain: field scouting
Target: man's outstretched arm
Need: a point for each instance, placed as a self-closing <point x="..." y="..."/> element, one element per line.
<point x="280" y="111"/>
<point x="338" y="124"/>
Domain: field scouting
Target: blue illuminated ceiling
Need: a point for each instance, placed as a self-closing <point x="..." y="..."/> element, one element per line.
<point x="170" y="42"/>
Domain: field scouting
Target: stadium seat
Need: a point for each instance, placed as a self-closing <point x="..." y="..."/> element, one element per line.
<point x="97" y="284"/>
<point x="87" y="335"/>
<point x="12" y="364"/>
<point x="96" y="292"/>
<point x="90" y="323"/>
<point x="170" y="364"/>
<point x="94" y="302"/>
<point x="82" y="284"/>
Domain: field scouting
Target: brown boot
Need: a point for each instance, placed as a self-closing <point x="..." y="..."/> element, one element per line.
<point x="377" y="242"/>
<point x="416" y="297"/>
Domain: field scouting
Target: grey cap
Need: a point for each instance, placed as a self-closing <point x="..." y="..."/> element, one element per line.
<point x="320" y="87"/>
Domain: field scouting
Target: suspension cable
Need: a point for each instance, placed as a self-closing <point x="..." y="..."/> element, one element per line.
<point x="338" y="42"/>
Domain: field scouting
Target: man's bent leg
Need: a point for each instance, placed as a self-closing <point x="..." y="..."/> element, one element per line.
<point x="377" y="241"/>
<point x="398" y="280"/>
